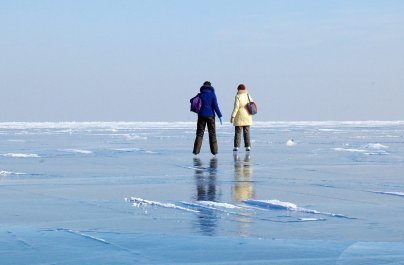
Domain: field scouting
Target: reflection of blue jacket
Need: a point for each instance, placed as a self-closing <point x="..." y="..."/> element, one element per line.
<point x="209" y="103"/>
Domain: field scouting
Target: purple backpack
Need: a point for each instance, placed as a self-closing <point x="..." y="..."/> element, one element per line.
<point x="196" y="103"/>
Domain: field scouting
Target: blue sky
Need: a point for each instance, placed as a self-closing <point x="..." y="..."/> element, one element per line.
<point x="143" y="60"/>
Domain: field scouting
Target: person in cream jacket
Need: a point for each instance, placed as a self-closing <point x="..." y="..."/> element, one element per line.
<point x="241" y="118"/>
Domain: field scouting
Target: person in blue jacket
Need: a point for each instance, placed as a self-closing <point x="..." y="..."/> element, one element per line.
<point x="206" y="116"/>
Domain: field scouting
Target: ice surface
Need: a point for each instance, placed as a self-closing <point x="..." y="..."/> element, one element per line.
<point x="63" y="188"/>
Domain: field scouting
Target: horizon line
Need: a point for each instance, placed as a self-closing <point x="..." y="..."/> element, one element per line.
<point x="60" y="121"/>
<point x="186" y="124"/>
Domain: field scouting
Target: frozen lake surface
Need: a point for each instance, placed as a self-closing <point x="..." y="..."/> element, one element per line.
<point x="133" y="193"/>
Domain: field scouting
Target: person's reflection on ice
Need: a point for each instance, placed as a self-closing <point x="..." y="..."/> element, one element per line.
<point x="242" y="188"/>
<point x="206" y="190"/>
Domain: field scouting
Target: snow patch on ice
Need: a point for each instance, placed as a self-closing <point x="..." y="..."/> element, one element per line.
<point x="353" y="150"/>
<point x="369" y="149"/>
<point x="291" y="142"/>
<point x="79" y="151"/>
<point x="137" y="202"/>
<point x="395" y="193"/>
<point x="308" y="219"/>
<point x="376" y="146"/>
<point x="329" y="130"/>
<point x="379" y="152"/>
<point x="129" y="149"/>
<point x="280" y="205"/>
<point x="150" y="152"/>
<point x="135" y="149"/>
<point x="134" y="137"/>
<point x="7" y="173"/>
<point x="20" y="155"/>
<point x="376" y="149"/>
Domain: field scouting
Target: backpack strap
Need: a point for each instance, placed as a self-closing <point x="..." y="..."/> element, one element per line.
<point x="248" y="95"/>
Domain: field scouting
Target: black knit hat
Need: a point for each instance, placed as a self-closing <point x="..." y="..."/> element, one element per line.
<point x="207" y="83"/>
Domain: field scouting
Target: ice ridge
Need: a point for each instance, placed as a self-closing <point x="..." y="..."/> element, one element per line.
<point x="140" y="202"/>
<point x="218" y="204"/>
<point x="84" y="235"/>
<point x="214" y="206"/>
<point x="280" y="205"/>
<point x="94" y="238"/>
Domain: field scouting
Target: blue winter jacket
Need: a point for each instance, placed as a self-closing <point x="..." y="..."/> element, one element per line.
<point x="209" y="103"/>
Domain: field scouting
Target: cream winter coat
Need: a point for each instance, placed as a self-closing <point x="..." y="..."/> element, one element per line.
<point x="240" y="115"/>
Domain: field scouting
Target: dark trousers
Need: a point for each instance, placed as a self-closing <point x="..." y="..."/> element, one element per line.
<point x="200" y="130"/>
<point x="246" y="134"/>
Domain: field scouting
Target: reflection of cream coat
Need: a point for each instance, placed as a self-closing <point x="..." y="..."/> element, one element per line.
<point x="242" y="189"/>
<point x="240" y="113"/>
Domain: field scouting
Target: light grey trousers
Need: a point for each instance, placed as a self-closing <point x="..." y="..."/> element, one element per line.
<point x="245" y="130"/>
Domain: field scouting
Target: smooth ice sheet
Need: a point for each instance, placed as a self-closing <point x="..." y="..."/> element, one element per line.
<point x="133" y="193"/>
